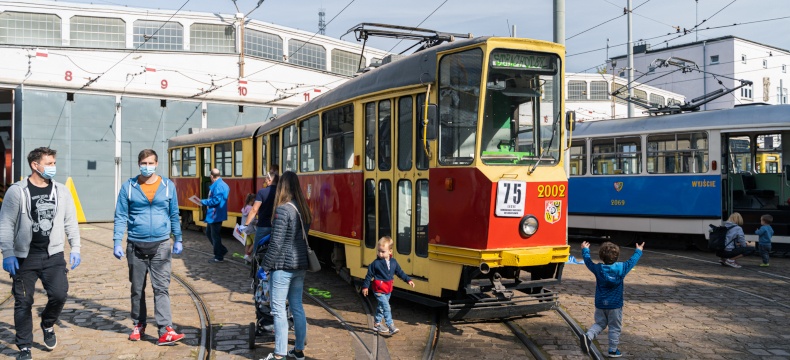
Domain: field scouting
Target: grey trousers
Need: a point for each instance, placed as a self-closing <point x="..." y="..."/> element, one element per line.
<point x="611" y="317"/>
<point x="158" y="266"/>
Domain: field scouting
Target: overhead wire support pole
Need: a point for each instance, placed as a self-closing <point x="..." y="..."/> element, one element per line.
<point x="242" y="19"/>
<point x="630" y="60"/>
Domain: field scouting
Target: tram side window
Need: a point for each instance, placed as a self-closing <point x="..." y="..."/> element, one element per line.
<point x="578" y="158"/>
<point x="459" y="98"/>
<point x="419" y="150"/>
<point x="403" y="240"/>
<point x="740" y="158"/>
<point x="617" y="156"/>
<point x="677" y="153"/>
<point x="385" y="208"/>
<point x="405" y="127"/>
<point x="175" y="162"/>
<point x="370" y="213"/>
<point x="189" y="162"/>
<point x="264" y="168"/>
<point x="421" y="220"/>
<point x="275" y="149"/>
<point x="769" y="154"/>
<point x="385" y="129"/>
<point x="370" y="136"/>
<point x="339" y="138"/>
<point x="308" y="134"/>
<point x="290" y="150"/>
<point x="238" y="159"/>
<point x="223" y="159"/>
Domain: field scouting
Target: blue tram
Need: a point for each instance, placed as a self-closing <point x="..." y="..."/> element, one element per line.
<point x="670" y="177"/>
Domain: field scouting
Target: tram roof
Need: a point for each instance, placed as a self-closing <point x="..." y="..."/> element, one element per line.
<point x="388" y="76"/>
<point x="736" y="118"/>
<point x="216" y="135"/>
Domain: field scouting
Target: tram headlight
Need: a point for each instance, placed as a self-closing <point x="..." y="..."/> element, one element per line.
<point x="528" y="226"/>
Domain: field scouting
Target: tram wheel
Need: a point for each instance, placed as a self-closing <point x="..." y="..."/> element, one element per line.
<point x="251" y="339"/>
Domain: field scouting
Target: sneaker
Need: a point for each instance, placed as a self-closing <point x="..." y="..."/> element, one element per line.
<point x="732" y="263"/>
<point x="169" y="337"/>
<point x="615" y="354"/>
<point x="215" y="260"/>
<point x="378" y="328"/>
<point x="586" y="344"/>
<point x="298" y="354"/>
<point x="723" y="262"/>
<point x="764" y="265"/>
<point x="137" y="332"/>
<point x="50" y="340"/>
<point x="24" y="354"/>
<point x="393" y="330"/>
<point x="272" y="357"/>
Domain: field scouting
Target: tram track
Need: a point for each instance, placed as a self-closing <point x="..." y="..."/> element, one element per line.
<point x="376" y="349"/>
<point x="433" y="337"/>
<point x="206" y="334"/>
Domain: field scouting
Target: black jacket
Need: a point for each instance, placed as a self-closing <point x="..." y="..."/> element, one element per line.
<point x="287" y="248"/>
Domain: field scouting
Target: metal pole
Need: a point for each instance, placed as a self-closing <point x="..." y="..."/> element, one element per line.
<point x="696" y="21"/>
<point x="630" y="63"/>
<point x="241" y="51"/>
<point x="704" y="72"/>
<point x="514" y="31"/>
<point x="559" y="21"/>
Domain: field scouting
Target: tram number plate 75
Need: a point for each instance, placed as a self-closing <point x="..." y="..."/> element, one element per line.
<point x="510" y="198"/>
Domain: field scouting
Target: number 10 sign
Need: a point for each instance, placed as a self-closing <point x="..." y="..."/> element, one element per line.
<point x="510" y="198"/>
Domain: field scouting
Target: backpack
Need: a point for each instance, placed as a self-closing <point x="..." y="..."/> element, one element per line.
<point x="718" y="237"/>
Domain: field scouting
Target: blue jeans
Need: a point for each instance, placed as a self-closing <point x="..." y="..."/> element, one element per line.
<point x="611" y="317"/>
<point x="765" y="249"/>
<point x="212" y="231"/>
<point x="287" y="285"/>
<point x="383" y="309"/>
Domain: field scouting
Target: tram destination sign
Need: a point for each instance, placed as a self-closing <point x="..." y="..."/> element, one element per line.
<point x="506" y="60"/>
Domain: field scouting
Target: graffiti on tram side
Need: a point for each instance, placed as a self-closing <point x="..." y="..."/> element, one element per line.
<point x="645" y="195"/>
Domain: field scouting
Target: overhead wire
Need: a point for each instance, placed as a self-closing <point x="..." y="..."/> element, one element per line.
<point x="607" y="21"/>
<point x="215" y="88"/>
<point x="421" y="22"/>
<point x="145" y="40"/>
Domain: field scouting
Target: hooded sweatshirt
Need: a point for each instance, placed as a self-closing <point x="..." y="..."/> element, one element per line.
<point x="734" y="235"/>
<point x="609" y="279"/>
<point x="146" y="221"/>
<point x="16" y="223"/>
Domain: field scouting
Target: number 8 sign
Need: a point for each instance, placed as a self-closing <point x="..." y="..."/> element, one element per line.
<point x="510" y="198"/>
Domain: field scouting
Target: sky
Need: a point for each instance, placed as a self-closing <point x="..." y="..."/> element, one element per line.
<point x="654" y="20"/>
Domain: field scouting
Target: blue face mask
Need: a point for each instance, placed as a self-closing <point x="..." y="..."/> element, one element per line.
<point x="49" y="172"/>
<point x="147" y="170"/>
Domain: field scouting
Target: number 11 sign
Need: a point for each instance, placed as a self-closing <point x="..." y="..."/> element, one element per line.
<point x="510" y="198"/>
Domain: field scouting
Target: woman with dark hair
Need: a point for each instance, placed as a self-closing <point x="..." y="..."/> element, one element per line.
<point x="286" y="261"/>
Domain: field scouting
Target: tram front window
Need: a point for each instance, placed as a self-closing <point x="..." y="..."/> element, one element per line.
<point x="520" y="118"/>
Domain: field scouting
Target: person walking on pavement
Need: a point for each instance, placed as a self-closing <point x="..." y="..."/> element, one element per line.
<point x="147" y="211"/>
<point x="36" y="213"/>
<point x="217" y="212"/>
<point x="286" y="261"/>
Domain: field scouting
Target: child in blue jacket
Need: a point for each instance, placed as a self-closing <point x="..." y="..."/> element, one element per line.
<point x="609" y="278"/>
<point x="382" y="271"/>
<point x="765" y="232"/>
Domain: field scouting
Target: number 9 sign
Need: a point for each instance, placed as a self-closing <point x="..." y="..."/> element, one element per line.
<point x="163" y="84"/>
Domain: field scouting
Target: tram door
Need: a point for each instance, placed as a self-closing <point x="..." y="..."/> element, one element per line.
<point x="410" y="188"/>
<point x="204" y="176"/>
<point x="378" y="176"/>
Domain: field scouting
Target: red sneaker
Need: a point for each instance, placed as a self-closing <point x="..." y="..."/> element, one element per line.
<point x="170" y="337"/>
<point x="137" y="332"/>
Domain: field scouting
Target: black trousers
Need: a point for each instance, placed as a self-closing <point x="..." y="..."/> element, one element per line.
<point x="52" y="272"/>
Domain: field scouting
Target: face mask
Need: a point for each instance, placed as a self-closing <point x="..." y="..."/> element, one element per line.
<point x="49" y="172"/>
<point x="147" y="170"/>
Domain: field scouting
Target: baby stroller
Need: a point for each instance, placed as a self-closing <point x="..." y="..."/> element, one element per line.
<point x="264" y="321"/>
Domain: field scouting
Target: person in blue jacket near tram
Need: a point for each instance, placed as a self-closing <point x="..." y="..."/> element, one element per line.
<point x="147" y="211"/>
<point x="216" y="213"/>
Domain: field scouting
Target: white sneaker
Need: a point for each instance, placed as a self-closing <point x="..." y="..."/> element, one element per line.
<point x="732" y="263"/>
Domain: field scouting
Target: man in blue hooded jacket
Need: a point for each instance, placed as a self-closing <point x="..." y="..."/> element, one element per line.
<point x="216" y="213"/>
<point x="147" y="211"/>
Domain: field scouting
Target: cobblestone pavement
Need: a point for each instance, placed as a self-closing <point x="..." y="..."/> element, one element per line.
<point x="685" y="305"/>
<point x="679" y="305"/>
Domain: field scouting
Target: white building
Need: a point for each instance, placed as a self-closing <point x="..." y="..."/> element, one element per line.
<point x="100" y="83"/>
<point x="588" y="95"/>
<point x="726" y="59"/>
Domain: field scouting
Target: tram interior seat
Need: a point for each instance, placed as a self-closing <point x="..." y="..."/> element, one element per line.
<point x="745" y="192"/>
